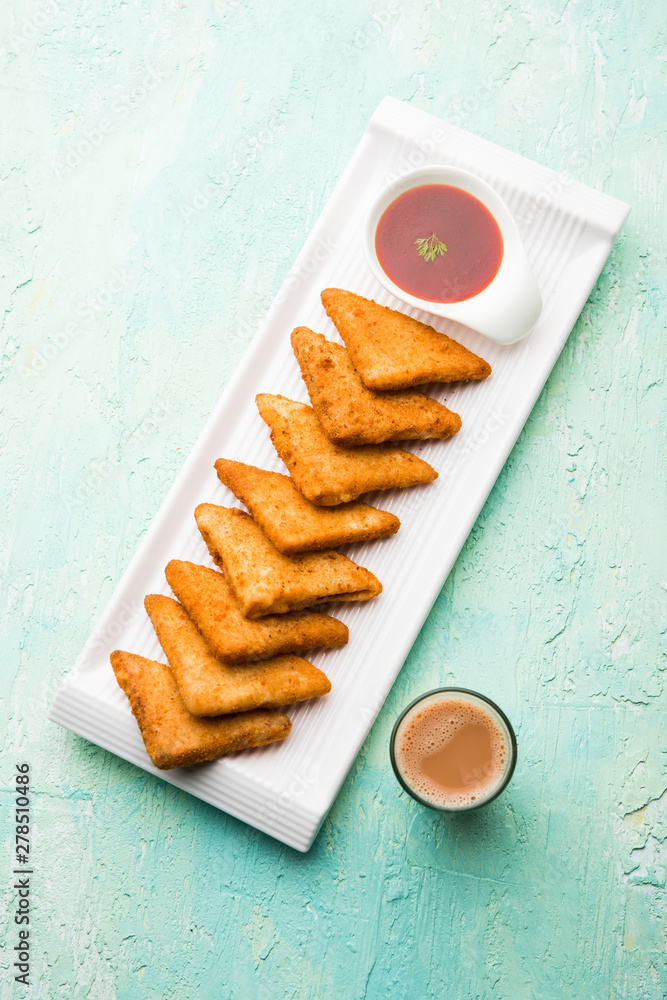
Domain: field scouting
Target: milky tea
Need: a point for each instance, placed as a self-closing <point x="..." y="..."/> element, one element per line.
<point x="453" y="750"/>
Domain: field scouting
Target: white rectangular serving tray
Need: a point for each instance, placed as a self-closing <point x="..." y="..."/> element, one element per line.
<point x="287" y="789"/>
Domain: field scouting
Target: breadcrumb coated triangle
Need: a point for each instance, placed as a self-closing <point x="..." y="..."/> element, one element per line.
<point x="265" y="581"/>
<point x="293" y="523"/>
<point x="393" y="351"/>
<point x="210" y="602"/>
<point x="326" y="473"/>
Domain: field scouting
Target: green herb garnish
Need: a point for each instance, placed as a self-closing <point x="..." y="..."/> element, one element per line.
<point x="431" y="247"/>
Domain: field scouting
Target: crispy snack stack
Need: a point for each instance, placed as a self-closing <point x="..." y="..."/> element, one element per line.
<point x="202" y="705"/>
<point x="231" y="639"/>
<point x="172" y="736"/>
<point x="209" y="686"/>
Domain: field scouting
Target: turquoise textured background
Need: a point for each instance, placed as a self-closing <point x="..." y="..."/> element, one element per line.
<point x="161" y="166"/>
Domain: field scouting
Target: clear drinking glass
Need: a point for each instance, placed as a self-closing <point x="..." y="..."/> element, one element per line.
<point x="480" y="708"/>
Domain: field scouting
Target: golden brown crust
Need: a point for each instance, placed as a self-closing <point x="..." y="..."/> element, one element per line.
<point x="173" y="737"/>
<point x="326" y="473"/>
<point x="351" y="414"/>
<point x="293" y="523"/>
<point x="209" y="601"/>
<point x="210" y="687"/>
<point x="393" y="351"/>
<point x="265" y="581"/>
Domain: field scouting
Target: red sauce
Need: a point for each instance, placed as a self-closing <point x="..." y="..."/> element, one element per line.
<point x="445" y="215"/>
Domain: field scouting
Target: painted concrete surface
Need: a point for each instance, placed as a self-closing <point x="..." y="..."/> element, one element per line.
<point x="162" y="164"/>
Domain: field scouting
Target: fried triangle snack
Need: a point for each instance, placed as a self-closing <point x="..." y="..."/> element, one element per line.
<point x="173" y="737"/>
<point x="393" y="351"/>
<point x="293" y="523"/>
<point x="350" y="413"/>
<point x="211" y="604"/>
<point x="326" y="473"/>
<point x="210" y="687"/>
<point x="265" y="581"/>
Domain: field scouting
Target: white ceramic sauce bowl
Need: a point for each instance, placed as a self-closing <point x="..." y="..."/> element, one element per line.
<point x="508" y="308"/>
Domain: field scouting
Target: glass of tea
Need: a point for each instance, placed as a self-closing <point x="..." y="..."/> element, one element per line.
<point x="453" y="750"/>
